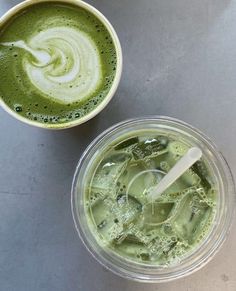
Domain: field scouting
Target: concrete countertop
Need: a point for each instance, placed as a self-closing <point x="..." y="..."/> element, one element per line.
<point x="179" y="60"/>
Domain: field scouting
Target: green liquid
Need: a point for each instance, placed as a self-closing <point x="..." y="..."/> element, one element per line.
<point x="124" y="220"/>
<point x="80" y="70"/>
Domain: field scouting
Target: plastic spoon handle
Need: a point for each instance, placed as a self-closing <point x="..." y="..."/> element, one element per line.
<point x="192" y="155"/>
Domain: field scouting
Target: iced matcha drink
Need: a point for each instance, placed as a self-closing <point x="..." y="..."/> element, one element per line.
<point x="121" y="214"/>
<point x="113" y="198"/>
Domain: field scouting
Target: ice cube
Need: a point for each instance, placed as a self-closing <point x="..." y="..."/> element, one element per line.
<point x="106" y="219"/>
<point x="191" y="215"/>
<point x="134" y="250"/>
<point x="136" y="179"/>
<point x="109" y="171"/>
<point x="150" y="147"/>
<point x="129" y="208"/>
<point x="127" y="143"/>
<point x="200" y="169"/>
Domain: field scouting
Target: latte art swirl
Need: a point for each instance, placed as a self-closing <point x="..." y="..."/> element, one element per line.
<point x="62" y="63"/>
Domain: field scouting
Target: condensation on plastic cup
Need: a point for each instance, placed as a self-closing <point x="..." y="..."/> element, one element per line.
<point x="14" y="10"/>
<point x="220" y="226"/>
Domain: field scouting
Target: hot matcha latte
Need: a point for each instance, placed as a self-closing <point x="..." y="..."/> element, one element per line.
<point x="57" y="62"/>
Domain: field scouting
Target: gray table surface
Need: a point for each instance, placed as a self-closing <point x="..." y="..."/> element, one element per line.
<point x="179" y="60"/>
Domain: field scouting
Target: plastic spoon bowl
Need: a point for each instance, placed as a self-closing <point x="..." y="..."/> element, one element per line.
<point x="192" y="155"/>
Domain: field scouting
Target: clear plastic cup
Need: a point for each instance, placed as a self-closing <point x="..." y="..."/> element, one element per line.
<point x="220" y="225"/>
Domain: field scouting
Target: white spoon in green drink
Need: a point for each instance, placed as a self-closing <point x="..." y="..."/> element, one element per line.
<point x="191" y="157"/>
